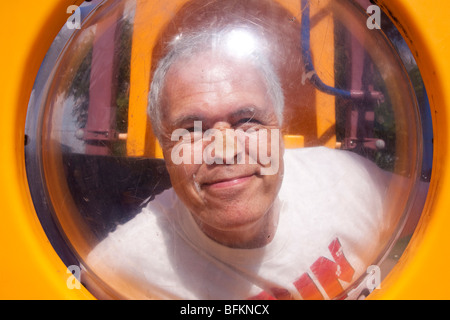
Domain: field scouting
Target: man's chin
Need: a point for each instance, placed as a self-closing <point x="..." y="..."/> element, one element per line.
<point x="232" y="219"/>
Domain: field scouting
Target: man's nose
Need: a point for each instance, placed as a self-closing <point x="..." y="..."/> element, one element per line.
<point x="227" y="146"/>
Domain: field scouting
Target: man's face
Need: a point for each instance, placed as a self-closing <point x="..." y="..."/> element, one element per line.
<point x="231" y="196"/>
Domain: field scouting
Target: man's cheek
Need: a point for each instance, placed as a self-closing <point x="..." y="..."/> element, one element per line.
<point x="183" y="175"/>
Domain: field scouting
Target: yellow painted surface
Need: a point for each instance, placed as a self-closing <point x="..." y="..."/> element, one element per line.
<point x="322" y="47"/>
<point x="422" y="271"/>
<point x="150" y="16"/>
<point x="30" y="268"/>
<point x="293" y="141"/>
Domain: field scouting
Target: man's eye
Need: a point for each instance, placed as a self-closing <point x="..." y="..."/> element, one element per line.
<point x="192" y="129"/>
<point x="248" y="120"/>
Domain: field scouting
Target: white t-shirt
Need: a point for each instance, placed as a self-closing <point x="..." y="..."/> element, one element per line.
<point x="328" y="233"/>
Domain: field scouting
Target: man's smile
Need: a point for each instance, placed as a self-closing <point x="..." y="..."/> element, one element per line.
<point x="228" y="182"/>
<point x="231" y="179"/>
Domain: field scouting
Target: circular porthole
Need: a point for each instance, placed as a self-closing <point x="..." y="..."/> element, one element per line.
<point x="315" y="148"/>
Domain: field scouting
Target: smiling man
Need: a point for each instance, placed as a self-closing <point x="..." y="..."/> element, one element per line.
<point x="231" y="200"/>
<point x="244" y="219"/>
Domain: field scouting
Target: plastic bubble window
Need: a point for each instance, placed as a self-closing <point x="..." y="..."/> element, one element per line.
<point x="355" y="116"/>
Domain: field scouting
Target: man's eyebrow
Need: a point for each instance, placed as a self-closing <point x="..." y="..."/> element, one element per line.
<point x="250" y="112"/>
<point x="188" y="119"/>
<point x="245" y="111"/>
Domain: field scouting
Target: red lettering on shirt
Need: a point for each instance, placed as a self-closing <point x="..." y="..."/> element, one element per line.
<point x="307" y="288"/>
<point x="346" y="271"/>
<point x="327" y="272"/>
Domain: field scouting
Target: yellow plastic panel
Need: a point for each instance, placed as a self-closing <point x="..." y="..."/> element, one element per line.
<point x="30" y="268"/>
<point x="421" y="272"/>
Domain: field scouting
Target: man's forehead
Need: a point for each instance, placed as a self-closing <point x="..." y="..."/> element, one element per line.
<point x="208" y="80"/>
<point x="212" y="66"/>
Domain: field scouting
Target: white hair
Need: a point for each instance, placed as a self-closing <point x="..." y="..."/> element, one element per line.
<point x="184" y="46"/>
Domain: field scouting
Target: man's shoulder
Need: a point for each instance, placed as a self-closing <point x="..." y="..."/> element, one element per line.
<point x="143" y="231"/>
<point x="335" y="194"/>
<point x="327" y="163"/>
<point x="320" y="174"/>
<point x="324" y="156"/>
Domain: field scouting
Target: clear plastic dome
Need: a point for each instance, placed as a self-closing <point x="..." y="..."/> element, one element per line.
<point x="354" y="148"/>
